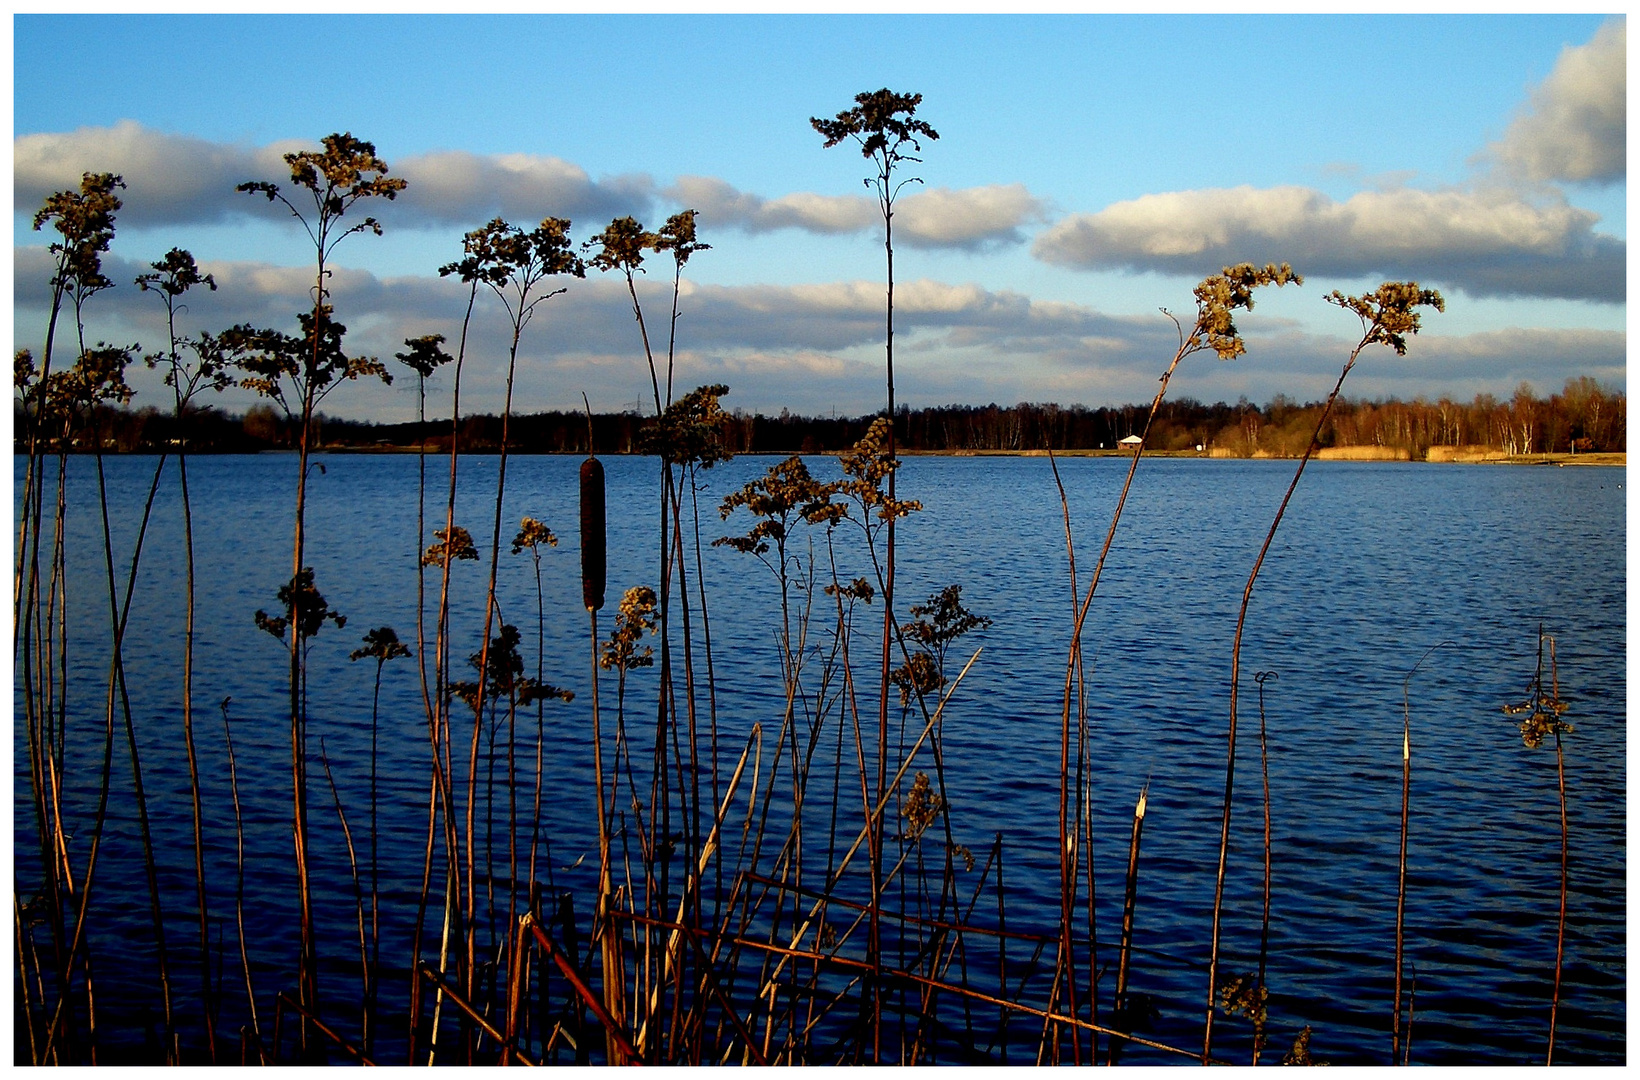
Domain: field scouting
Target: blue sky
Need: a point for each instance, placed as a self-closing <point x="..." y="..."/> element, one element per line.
<point x="1090" y="169"/>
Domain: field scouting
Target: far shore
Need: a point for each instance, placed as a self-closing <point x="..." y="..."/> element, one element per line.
<point x="1460" y="456"/>
<point x="1348" y="453"/>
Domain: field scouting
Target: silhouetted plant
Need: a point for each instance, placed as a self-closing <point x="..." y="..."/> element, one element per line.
<point x="942" y="621"/>
<point x="883" y="124"/>
<point x="501" y="680"/>
<point x="171" y="278"/>
<point x="51" y="402"/>
<point x="1217" y="299"/>
<point x="1388" y="316"/>
<point x="85" y="221"/>
<point x="239" y="861"/>
<point x="1242" y="995"/>
<point x="1400" y="1052"/>
<point x="425" y="356"/>
<point x="690" y="430"/>
<point x="921" y="806"/>
<point x="869" y="467"/>
<point x="505" y="676"/>
<point x="1542" y="717"/>
<point x="333" y="180"/>
<point x="636" y="616"/>
<point x="532" y="536"/>
<point x="778" y="500"/>
<point x="305" y="608"/>
<point x="619" y="249"/>
<point x="678" y="237"/>
<point x="381" y="645"/>
<point x="787" y="494"/>
<point x="346" y="172"/>
<point x="513" y="264"/>
<point x="935" y="626"/>
<point x="917" y="677"/>
<point x="689" y="434"/>
<point x="453" y="545"/>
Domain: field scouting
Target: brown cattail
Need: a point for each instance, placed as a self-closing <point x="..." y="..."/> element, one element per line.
<point x="592" y="533"/>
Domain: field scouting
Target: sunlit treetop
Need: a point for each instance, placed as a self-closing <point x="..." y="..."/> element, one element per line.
<point x="1219" y="296"/>
<point x="943" y="619"/>
<point x="175" y="274"/>
<point x="212" y="369"/>
<point x="636" y="617"/>
<point x="622" y="244"/>
<point x="506" y="681"/>
<point x="532" y="534"/>
<point x="453" y="543"/>
<point x="382" y="644"/>
<point x="312" y="361"/>
<point x="303" y="604"/>
<point x="1388" y="314"/>
<point x="172" y="277"/>
<point x="424" y="356"/>
<point x="678" y="237"/>
<point x="97" y="376"/>
<point x="23" y="371"/>
<point x="867" y="464"/>
<point x="85" y="220"/>
<point x="882" y="122"/>
<point x="778" y="498"/>
<point x="498" y="252"/>
<point x="346" y="171"/>
<point x="690" y="430"/>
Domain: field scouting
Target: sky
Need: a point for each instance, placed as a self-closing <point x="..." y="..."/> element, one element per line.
<point x="1089" y="171"/>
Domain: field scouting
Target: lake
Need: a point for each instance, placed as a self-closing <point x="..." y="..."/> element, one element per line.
<point x="1374" y="565"/>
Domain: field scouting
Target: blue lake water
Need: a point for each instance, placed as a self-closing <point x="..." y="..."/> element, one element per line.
<point x="1374" y="565"/>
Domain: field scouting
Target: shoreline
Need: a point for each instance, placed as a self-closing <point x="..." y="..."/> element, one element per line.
<point x="1618" y="459"/>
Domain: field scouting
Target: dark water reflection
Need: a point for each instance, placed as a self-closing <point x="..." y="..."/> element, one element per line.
<point x="1374" y="565"/>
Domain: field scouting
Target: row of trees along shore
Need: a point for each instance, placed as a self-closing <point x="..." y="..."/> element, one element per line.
<point x="1584" y="416"/>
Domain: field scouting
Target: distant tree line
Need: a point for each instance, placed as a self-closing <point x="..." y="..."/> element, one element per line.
<point x="1592" y="416"/>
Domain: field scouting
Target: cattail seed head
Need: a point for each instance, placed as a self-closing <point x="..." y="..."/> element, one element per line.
<point x="593" y="547"/>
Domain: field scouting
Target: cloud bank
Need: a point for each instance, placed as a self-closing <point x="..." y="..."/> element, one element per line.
<point x="1490" y="242"/>
<point x="811" y="348"/>
<point x="179" y="179"/>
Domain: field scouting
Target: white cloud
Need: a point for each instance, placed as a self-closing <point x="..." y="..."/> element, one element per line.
<point x="1485" y="241"/>
<point x="938" y="217"/>
<point x="1574" y="128"/>
<point x="456" y="187"/>
<point x="173" y="179"/>
<point x="971" y="217"/>
<point x="723" y="204"/>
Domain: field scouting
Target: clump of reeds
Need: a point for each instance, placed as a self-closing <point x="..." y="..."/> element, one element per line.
<point x="727" y="952"/>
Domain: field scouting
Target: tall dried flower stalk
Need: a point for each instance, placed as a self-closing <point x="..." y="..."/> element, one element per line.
<point x="346" y="172"/>
<point x="1388" y="315"/>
